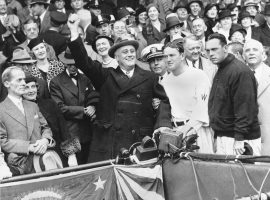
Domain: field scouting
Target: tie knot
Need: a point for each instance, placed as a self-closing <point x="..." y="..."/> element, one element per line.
<point x="75" y="76"/>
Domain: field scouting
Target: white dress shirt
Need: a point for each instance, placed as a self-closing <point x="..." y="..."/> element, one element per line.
<point x="128" y="73"/>
<point x="73" y="79"/>
<point x="17" y="102"/>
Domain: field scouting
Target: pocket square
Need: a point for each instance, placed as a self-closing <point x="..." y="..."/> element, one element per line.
<point x="36" y="116"/>
<point x="86" y="89"/>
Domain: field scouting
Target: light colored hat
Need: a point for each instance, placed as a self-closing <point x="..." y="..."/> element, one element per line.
<point x="21" y="56"/>
<point x="48" y="161"/>
<point x="152" y="51"/>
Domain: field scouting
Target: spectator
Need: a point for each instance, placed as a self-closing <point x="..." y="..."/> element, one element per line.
<point x="245" y="20"/>
<point x="101" y="45"/>
<point x="44" y="68"/>
<point x="141" y="17"/>
<point x="66" y="144"/>
<point x="253" y="8"/>
<point x="262" y="33"/>
<point x="195" y="8"/>
<point x="181" y="10"/>
<point x="200" y="31"/>
<point x="211" y="16"/>
<point x="254" y="57"/>
<point x="237" y="34"/>
<point x="233" y="110"/>
<point x="30" y="29"/>
<point x="235" y="10"/>
<point x="153" y="32"/>
<point x="40" y="11"/>
<point x="77" y="5"/>
<point x="75" y="96"/>
<point x="192" y="56"/>
<point x="52" y="36"/>
<point x="103" y="25"/>
<point x="236" y="48"/>
<point x="135" y="116"/>
<point x="26" y="121"/>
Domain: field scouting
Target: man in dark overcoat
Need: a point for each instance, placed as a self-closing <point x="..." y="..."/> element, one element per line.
<point x="124" y="112"/>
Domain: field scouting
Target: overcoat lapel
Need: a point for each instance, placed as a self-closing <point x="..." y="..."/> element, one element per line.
<point x="69" y="85"/>
<point x="81" y="87"/>
<point x="264" y="82"/>
<point x="29" y="118"/>
<point x="14" y="112"/>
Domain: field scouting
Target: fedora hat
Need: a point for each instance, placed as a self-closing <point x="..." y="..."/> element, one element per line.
<point x="232" y="6"/>
<point x="121" y="42"/>
<point x="267" y="10"/>
<point x="250" y="3"/>
<point x="172" y="22"/>
<point x="243" y="15"/>
<point x="235" y="29"/>
<point x="224" y="13"/>
<point x="94" y="46"/>
<point x="39" y="2"/>
<point x="66" y="57"/>
<point x="181" y="4"/>
<point x="48" y="161"/>
<point x="21" y="56"/>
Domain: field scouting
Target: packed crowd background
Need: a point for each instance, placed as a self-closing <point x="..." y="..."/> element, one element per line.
<point x="82" y="79"/>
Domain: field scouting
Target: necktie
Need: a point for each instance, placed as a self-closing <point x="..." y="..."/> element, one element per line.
<point x="20" y="106"/>
<point x="193" y="64"/>
<point x="75" y="76"/>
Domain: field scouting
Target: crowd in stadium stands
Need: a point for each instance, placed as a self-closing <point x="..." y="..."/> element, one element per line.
<point x="80" y="79"/>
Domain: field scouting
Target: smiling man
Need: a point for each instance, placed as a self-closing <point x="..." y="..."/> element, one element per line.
<point x="232" y="106"/>
<point x="124" y="113"/>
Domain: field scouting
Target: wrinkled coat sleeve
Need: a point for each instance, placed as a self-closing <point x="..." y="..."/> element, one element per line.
<point x="92" y="69"/>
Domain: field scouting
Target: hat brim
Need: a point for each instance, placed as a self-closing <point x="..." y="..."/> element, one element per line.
<point x="40" y="2"/>
<point x="23" y="61"/>
<point x="122" y="44"/>
<point x="177" y="7"/>
<point x="240" y="18"/>
<point x="66" y="60"/>
<point x="154" y="55"/>
<point x="180" y="23"/>
<point x="232" y="15"/>
<point x="199" y="2"/>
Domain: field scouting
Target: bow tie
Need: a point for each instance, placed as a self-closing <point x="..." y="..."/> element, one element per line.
<point x="75" y="76"/>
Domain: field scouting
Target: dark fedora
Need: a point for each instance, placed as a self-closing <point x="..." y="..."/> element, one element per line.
<point x="267" y="10"/>
<point x="232" y="6"/>
<point x="181" y="4"/>
<point x="172" y="22"/>
<point x="66" y="57"/>
<point x="224" y="13"/>
<point x="121" y="42"/>
<point x="236" y="28"/>
<point x="94" y="46"/>
<point x="39" y="2"/>
<point x="243" y="15"/>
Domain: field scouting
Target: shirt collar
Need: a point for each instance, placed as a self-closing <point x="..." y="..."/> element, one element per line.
<point x="190" y="63"/>
<point x="14" y="99"/>
<point x="128" y="73"/>
<point x="42" y="16"/>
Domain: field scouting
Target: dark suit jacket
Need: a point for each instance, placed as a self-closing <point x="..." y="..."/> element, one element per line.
<point x="72" y="100"/>
<point x="91" y="34"/>
<point x="56" y="40"/>
<point x="17" y="131"/>
<point x="152" y="35"/>
<point x="262" y="34"/>
<point x="124" y="113"/>
<point x="46" y="22"/>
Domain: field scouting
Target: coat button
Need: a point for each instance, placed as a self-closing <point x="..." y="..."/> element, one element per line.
<point x="138" y="96"/>
<point x="133" y="132"/>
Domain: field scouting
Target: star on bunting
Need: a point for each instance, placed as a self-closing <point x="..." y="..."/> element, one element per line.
<point x="99" y="184"/>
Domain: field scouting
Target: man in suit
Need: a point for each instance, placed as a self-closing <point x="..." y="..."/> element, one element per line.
<point x="40" y="10"/>
<point x="192" y="53"/>
<point x="31" y="31"/>
<point x="262" y="33"/>
<point x="124" y="113"/>
<point x="10" y="34"/>
<point x="23" y="130"/>
<point x="74" y="94"/>
<point x="254" y="56"/>
<point x="53" y="36"/>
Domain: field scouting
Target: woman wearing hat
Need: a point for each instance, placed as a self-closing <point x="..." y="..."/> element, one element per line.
<point x="44" y="68"/>
<point x="182" y="11"/>
<point x="141" y="17"/>
<point x="235" y="9"/>
<point x="211" y="15"/>
<point x="245" y="20"/>
<point x="153" y="31"/>
<point x="237" y="34"/>
<point x="101" y="45"/>
<point x="66" y="144"/>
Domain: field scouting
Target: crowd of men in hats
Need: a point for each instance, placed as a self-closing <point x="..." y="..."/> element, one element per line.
<point x="81" y="79"/>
